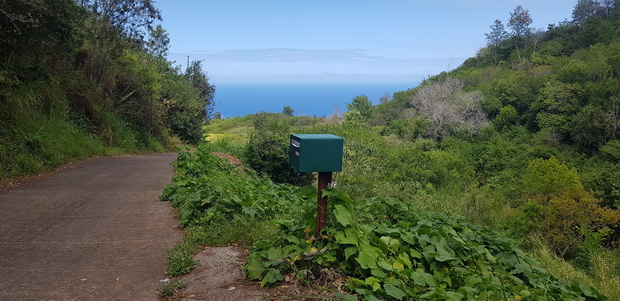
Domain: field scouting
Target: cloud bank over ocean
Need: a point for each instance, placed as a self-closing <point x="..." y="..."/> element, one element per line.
<point x="300" y="65"/>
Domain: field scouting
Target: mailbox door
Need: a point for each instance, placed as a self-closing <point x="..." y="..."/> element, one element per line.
<point x="295" y="151"/>
<point x="316" y="152"/>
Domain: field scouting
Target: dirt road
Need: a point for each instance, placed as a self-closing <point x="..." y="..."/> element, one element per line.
<point x="96" y="231"/>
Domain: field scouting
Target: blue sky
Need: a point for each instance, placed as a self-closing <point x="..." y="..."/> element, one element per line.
<point x="337" y="40"/>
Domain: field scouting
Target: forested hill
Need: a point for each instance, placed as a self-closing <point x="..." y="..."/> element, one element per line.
<point x="562" y="83"/>
<point x="89" y="77"/>
<point x="524" y="138"/>
<point x="559" y="87"/>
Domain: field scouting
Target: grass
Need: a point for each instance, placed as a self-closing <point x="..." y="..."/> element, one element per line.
<point x="221" y="233"/>
<point x="603" y="273"/>
<point x="43" y="143"/>
<point x="169" y="289"/>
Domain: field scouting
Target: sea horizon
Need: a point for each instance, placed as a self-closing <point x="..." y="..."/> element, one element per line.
<point x="306" y="99"/>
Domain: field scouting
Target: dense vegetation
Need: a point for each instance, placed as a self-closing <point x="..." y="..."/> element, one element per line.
<point x="522" y="139"/>
<point x="89" y="77"/>
<point x="379" y="247"/>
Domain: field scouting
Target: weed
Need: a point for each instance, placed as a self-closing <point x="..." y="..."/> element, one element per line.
<point x="169" y="289"/>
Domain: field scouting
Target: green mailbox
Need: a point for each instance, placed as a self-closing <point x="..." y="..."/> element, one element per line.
<point x="316" y="152"/>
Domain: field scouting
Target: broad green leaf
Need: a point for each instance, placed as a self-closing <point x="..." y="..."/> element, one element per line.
<point x="249" y="211"/>
<point x="394" y="245"/>
<point x="343" y="215"/>
<point x="293" y="239"/>
<point x="394" y="292"/>
<point x="586" y="289"/>
<point x="339" y="197"/>
<point x="422" y="278"/>
<point x="431" y="294"/>
<point x="374" y="283"/>
<point x="308" y="191"/>
<point x="454" y="296"/>
<point x="390" y="244"/>
<point x="274" y="253"/>
<point x="424" y="240"/>
<point x="404" y="258"/>
<point x="438" y="252"/>
<point x="415" y="254"/>
<point x="398" y="265"/>
<point x="409" y="238"/>
<point x="526" y="293"/>
<point x="349" y="298"/>
<point x="522" y="268"/>
<point x="349" y="251"/>
<point x="508" y="259"/>
<point x="348" y="236"/>
<point x="489" y="256"/>
<point x="367" y="260"/>
<point x="255" y="269"/>
<point x="378" y="273"/>
<point x="352" y="283"/>
<point x="271" y="277"/>
<point x="466" y="290"/>
<point x="385" y="265"/>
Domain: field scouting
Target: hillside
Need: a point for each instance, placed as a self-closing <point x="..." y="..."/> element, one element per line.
<point x="522" y="139"/>
<point x="88" y="79"/>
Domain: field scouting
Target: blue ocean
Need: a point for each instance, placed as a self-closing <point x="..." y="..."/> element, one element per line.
<point x="308" y="99"/>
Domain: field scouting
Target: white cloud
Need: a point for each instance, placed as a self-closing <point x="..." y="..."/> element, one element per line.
<point x="282" y="63"/>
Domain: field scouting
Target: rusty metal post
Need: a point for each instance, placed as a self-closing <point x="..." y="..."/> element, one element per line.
<point x="325" y="178"/>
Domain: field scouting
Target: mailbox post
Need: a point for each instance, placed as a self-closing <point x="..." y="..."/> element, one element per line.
<point x="320" y="153"/>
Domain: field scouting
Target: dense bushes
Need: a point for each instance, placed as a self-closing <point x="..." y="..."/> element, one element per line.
<point x="77" y="81"/>
<point x="544" y="170"/>
<point x="267" y="152"/>
<point x="375" y="248"/>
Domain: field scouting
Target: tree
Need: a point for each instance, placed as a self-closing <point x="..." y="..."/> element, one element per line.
<point x="591" y="128"/>
<point x="507" y="116"/>
<point x="584" y="9"/>
<point x="361" y="104"/>
<point x="497" y="35"/>
<point x="131" y="18"/>
<point x="607" y="7"/>
<point x="385" y="98"/>
<point x="614" y="9"/>
<point x="200" y="81"/>
<point x="519" y="22"/>
<point x="159" y="42"/>
<point x="267" y="152"/>
<point x="447" y="107"/>
<point x="565" y="209"/>
<point x="288" y="111"/>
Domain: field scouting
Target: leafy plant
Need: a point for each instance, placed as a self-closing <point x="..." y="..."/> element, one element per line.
<point x="392" y="251"/>
<point x="267" y="152"/>
<point x="217" y="202"/>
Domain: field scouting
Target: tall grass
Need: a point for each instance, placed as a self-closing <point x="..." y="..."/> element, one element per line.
<point x="604" y="273"/>
<point x="36" y="140"/>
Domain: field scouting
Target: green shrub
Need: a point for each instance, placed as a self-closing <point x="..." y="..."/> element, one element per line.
<point x="267" y="153"/>
<point x="566" y="214"/>
<point x="389" y="250"/>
